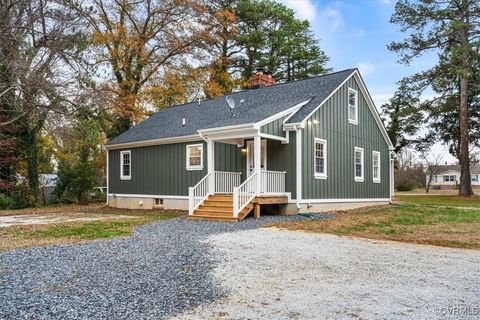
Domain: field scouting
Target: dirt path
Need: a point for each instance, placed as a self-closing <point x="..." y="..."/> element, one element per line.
<point x="23" y="220"/>
<point x="277" y="274"/>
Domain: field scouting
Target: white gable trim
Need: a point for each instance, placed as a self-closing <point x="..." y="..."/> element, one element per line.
<point x="193" y="137"/>
<point x="302" y="123"/>
<point x="367" y="97"/>
<point x="372" y="107"/>
<point x="290" y="111"/>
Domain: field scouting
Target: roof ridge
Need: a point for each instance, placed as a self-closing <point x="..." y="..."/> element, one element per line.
<point x="261" y="88"/>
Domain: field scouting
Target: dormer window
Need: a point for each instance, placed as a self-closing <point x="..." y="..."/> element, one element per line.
<point x="352" y="106"/>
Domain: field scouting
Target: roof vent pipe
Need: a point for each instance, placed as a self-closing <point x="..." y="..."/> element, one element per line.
<point x="183" y="122"/>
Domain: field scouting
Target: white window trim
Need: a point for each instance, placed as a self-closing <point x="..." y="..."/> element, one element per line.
<point x="187" y="157"/>
<point x="123" y="177"/>
<point x="317" y="175"/>
<point x="352" y="121"/>
<point x="362" y="178"/>
<point x="379" y="179"/>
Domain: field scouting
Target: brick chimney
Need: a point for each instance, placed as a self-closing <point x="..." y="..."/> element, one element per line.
<point x="261" y="78"/>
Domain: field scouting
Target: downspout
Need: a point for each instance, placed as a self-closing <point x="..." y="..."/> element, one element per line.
<point x="298" y="151"/>
<point x="106" y="177"/>
<point x="392" y="173"/>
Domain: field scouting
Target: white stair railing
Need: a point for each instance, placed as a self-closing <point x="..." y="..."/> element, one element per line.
<point x="272" y="182"/>
<point x="198" y="193"/>
<point x="226" y="181"/>
<point x="244" y="193"/>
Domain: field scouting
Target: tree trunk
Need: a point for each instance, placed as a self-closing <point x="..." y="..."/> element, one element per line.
<point x="465" y="187"/>
<point x="31" y="157"/>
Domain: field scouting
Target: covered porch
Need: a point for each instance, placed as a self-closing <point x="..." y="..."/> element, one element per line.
<point x="232" y="195"/>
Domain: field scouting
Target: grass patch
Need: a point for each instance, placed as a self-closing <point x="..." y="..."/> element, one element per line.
<point x="447" y="222"/>
<point x="111" y="223"/>
<point x="441" y="200"/>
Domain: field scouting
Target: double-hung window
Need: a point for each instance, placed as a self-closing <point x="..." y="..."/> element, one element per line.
<point x="449" y="178"/>
<point x="195" y="157"/>
<point x="376" y="166"/>
<point x="352" y="106"/>
<point x="359" y="166"/>
<point x="320" y="158"/>
<point x="125" y="165"/>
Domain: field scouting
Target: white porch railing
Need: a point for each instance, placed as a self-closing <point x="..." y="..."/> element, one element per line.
<point x="272" y="182"/>
<point x="226" y="181"/>
<point x="243" y="194"/>
<point x="198" y="193"/>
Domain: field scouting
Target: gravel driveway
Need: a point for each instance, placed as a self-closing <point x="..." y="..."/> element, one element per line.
<point x="278" y="274"/>
<point x="164" y="269"/>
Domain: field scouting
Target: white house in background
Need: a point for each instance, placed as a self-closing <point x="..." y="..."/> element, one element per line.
<point x="48" y="183"/>
<point x="449" y="177"/>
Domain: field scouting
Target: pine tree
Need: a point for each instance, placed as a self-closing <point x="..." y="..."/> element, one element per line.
<point x="451" y="29"/>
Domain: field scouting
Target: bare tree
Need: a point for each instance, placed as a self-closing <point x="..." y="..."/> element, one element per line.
<point x="41" y="65"/>
<point x="432" y="167"/>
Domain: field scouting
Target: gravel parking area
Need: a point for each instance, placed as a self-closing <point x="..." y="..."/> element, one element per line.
<point x="279" y="274"/>
<point x="163" y="270"/>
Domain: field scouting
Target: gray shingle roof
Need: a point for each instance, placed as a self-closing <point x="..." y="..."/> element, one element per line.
<point x="258" y="104"/>
<point x="474" y="169"/>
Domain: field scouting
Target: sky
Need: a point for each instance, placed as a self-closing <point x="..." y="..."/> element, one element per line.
<point x="355" y="33"/>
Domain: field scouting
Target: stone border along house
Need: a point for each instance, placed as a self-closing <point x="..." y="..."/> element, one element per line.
<point x="304" y="146"/>
<point x="448" y="177"/>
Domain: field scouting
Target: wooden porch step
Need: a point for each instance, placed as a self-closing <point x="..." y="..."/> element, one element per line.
<point x="245" y="212"/>
<point x="220" y="207"/>
<point x="212" y="212"/>
<point x="218" y="203"/>
<point x="204" y="207"/>
<point x="220" y="197"/>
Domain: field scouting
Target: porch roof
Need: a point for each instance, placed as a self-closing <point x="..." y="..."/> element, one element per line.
<point x="252" y="106"/>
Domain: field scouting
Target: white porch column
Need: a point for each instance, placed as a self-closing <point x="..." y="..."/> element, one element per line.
<point x="257" y="143"/>
<point x="211" y="165"/>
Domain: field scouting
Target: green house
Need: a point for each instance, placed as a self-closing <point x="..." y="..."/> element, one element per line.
<point x="304" y="146"/>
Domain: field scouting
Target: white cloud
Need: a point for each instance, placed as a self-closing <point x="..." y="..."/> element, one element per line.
<point x="366" y="68"/>
<point x="329" y="20"/>
<point x="304" y="9"/>
<point x="380" y="98"/>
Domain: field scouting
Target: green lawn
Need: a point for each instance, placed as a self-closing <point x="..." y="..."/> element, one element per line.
<point x="112" y="223"/>
<point x="444" y="221"/>
<point x="443" y="200"/>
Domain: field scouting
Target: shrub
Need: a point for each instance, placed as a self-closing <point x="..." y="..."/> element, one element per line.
<point x="98" y="196"/>
<point x="6" y="202"/>
<point x="406" y="185"/>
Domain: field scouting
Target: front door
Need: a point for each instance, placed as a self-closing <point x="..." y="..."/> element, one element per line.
<point x="251" y="156"/>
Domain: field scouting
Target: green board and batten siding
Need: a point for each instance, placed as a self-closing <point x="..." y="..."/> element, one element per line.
<point x="274" y="128"/>
<point x="281" y="157"/>
<point x="161" y="169"/>
<point x="155" y="170"/>
<point x="342" y="137"/>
